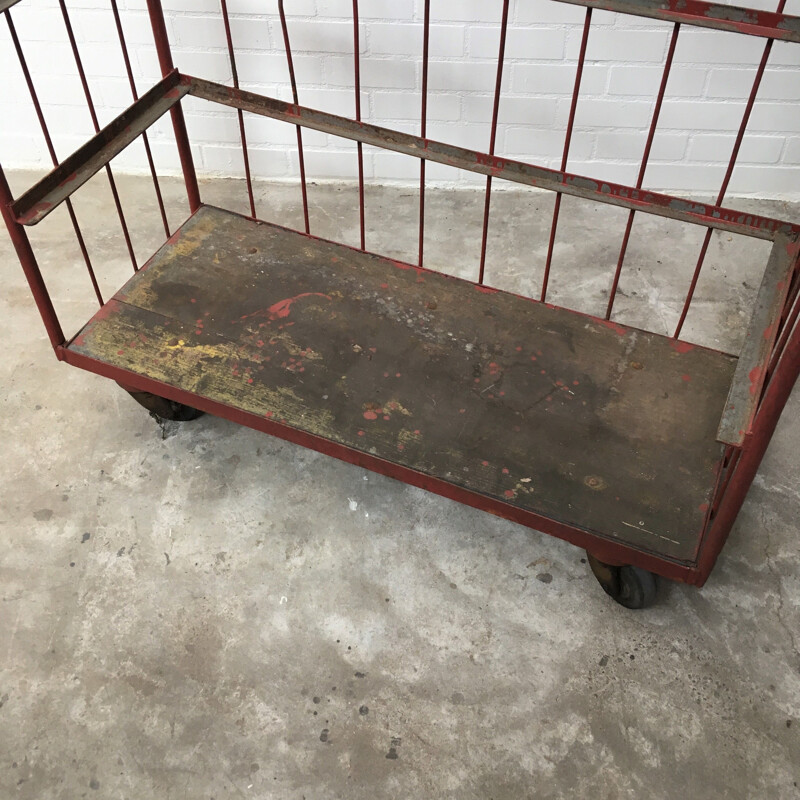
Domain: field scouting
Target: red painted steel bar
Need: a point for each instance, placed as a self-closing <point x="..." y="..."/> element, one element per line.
<point x="643" y="168"/>
<point x="493" y="136"/>
<point x="19" y="238"/>
<point x="164" y="53"/>
<point x="357" y="83"/>
<point x="51" y="150"/>
<point x="508" y="169"/>
<point x="426" y="28"/>
<point x="235" y="74"/>
<point x="298" y="128"/>
<point x="90" y="104"/>
<point x="567" y="140"/>
<point x="135" y="94"/>
<point x="728" y="173"/>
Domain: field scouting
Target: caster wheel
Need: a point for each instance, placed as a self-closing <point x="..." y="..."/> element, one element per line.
<point x="165" y="409"/>
<point x="631" y="587"/>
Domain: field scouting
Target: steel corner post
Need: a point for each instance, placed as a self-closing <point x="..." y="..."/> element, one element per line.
<point x="19" y="238"/>
<point x="164" y="53"/>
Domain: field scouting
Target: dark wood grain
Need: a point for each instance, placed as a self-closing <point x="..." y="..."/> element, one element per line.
<point x="594" y="424"/>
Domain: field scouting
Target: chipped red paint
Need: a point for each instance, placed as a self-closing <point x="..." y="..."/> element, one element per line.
<point x="485" y="289"/>
<point x="283" y="307"/>
<point x="618" y="329"/>
<point x="682" y="347"/>
<point x="755" y="376"/>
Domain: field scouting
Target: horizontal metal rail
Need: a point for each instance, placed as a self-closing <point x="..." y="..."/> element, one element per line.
<point x="33" y="206"/>
<point x="754" y="359"/>
<point x="754" y="22"/>
<point x="628" y="197"/>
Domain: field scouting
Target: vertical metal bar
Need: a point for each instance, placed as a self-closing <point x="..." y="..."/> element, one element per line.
<point x="135" y="94"/>
<point x="299" y="129"/>
<point x="493" y="135"/>
<point x="90" y="103"/>
<point x="567" y="140"/>
<point x="240" y="113"/>
<point x="164" y="53"/>
<point x="728" y="173"/>
<point x="357" y="83"/>
<point x="19" y="238"/>
<point x="426" y="27"/>
<point x="643" y="168"/>
<point x="51" y="150"/>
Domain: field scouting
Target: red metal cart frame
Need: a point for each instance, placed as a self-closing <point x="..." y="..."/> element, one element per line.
<point x="765" y="370"/>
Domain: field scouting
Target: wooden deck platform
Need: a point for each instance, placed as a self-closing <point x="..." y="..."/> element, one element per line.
<point x="590" y="423"/>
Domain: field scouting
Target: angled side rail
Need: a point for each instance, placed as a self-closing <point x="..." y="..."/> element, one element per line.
<point x="752" y="21"/>
<point x="762" y="334"/>
<point x="33" y="206"/>
<point x="517" y="171"/>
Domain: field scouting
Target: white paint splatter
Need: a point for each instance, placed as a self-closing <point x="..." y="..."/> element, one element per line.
<point x="353" y="504"/>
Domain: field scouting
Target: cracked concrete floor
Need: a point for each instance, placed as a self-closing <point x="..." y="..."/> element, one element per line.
<point x="203" y="611"/>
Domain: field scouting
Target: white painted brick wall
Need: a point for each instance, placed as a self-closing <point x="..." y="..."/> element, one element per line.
<point x="708" y="87"/>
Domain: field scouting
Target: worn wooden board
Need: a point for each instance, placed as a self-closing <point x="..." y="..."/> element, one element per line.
<point x="594" y="424"/>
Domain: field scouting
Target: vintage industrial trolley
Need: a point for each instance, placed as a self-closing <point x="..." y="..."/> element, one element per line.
<point x="636" y="446"/>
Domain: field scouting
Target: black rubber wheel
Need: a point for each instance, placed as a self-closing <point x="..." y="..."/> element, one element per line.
<point x="632" y="587"/>
<point x="165" y="409"/>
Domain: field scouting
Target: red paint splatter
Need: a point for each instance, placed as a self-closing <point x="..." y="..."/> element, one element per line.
<point x="533" y="358"/>
<point x="361" y="433"/>
<point x="576" y="383"/>
<point x="193" y="300"/>
<point x="385" y="374"/>
<point x="384" y="286"/>
<point x="485" y="463"/>
<point x="120" y="352"/>
<point x="401" y="447"/>
<point x="618" y="329"/>
<point x="755" y="378"/>
<point x="519" y="349"/>
<point x="462" y="410"/>
<point x="268" y="415"/>
<point x="370" y="415"/>
<point x="505" y="470"/>
<point x="686" y="378"/>
<point x="508" y="493"/>
<point x="416" y="432"/>
<point x="386" y="416"/>
<point x="704" y="507"/>
<point x="397" y="375"/>
<point x="682" y="347"/>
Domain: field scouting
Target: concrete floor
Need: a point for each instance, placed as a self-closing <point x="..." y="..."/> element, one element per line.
<point x="201" y="611"/>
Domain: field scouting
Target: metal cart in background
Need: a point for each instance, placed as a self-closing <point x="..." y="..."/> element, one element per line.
<point x="636" y="446"/>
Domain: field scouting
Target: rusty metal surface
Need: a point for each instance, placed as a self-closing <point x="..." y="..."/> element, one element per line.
<point x="590" y="423"/>
<point x="33" y="206"/>
<point x="762" y="332"/>
<point x="752" y="21"/>
<point x="628" y="197"/>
